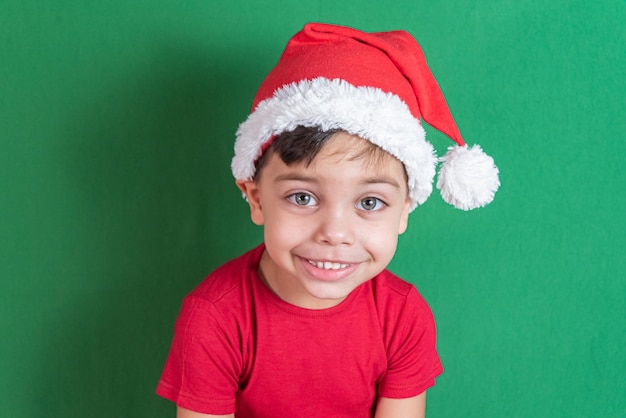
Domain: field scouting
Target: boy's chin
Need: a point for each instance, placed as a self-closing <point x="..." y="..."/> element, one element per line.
<point x="329" y="295"/>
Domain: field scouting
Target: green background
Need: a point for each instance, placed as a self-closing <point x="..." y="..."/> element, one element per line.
<point x="117" y="123"/>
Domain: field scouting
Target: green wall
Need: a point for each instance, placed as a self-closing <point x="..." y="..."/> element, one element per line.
<point x="117" y="121"/>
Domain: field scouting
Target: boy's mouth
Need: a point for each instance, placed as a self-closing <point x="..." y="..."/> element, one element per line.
<point x="327" y="265"/>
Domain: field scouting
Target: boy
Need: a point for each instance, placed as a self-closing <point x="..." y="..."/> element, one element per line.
<point x="331" y="161"/>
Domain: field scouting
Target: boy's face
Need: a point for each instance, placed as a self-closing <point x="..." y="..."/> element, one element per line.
<point x="329" y="226"/>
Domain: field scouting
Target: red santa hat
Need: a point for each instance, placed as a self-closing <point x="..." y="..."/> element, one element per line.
<point x="376" y="86"/>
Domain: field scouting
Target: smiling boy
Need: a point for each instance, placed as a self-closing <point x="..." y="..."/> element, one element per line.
<point x="329" y="225"/>
<point x="331" y="161"/>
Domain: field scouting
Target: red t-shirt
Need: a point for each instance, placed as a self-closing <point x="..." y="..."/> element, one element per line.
<point x="238" y="347"/>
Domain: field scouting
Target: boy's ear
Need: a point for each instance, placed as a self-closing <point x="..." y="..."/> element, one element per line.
<point x="404" y="217"/>
<point x="253" y="196"/>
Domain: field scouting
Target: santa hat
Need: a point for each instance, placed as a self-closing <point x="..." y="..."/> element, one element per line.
<point x="373" y="85"/>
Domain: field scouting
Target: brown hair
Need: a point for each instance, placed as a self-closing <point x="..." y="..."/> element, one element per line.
<point x="304" y="143"/>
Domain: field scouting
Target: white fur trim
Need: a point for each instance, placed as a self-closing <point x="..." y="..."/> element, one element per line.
<point x="381" y="118"/>
<point x="468" y="178"/>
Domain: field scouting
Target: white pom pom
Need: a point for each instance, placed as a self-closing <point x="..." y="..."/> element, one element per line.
<point x="468" y="178"/>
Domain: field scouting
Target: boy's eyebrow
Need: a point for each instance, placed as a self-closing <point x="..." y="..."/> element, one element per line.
<point x="309" y="179"/>
<point x="383" y="179"/>
<point x="295" y="177"/>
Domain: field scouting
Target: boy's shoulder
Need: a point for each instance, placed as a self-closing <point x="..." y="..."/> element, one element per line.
<point x="390" y="282"/>
<point x="229" y="277"/>
<point x="396" y="296"/>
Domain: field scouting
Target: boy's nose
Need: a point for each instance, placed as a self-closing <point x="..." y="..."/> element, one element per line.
<point x="334" y="229"/>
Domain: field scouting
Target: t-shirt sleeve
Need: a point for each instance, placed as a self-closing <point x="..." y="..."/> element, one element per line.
<point x="413" y="362"/>
<point x="202" y="369"/>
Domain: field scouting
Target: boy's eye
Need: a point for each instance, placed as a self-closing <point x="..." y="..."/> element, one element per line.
<point x="371" y="203"/>
<point x="302" y="199"/>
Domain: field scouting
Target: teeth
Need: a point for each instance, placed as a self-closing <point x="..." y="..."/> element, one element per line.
<point x="327" y="265"/>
